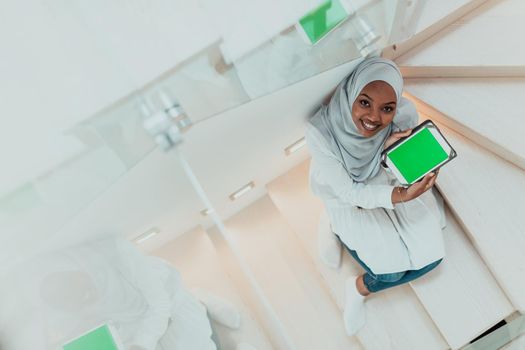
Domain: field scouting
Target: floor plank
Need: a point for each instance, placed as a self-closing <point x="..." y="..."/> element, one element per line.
<point x="461" y="295"/>
<point x="486" y="193"/>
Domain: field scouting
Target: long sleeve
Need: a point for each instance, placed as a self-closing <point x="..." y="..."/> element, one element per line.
<point x="330" y="181"/>
<point x="155" y="321"/>
<point x="151" y="277"/>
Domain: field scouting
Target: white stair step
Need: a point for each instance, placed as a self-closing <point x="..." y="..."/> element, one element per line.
<point x="486" y="194"/>
<point x="434" y="11"/>
<point x="396" y="319"/>
<point x="461" y="295"/>
<point x="288" y="278"/>
<point x="195" y="257"/>
<point x="486" y="111"/>
<point x="489" y="35"/>
<point x="434" y="17"/>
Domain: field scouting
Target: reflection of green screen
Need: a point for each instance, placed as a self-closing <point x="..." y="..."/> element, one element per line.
<point x="418" y="155"/>
<point x="98" y="339"/>
<point x="320" y="21"/>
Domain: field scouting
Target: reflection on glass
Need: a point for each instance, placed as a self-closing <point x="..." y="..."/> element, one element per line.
<point x="31" y="214"/>
<point x="206" y="85"/>
<point x="121" y="130"/>
<point x="58" y="296"/>
<point x="511" y="336"/>
<point x="319" y="22"/>
<point x="114" y="141"/>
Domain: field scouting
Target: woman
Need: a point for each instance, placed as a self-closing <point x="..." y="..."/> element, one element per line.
<point x="393" y="232"/>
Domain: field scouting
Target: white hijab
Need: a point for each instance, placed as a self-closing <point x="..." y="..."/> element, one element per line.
<point x="358" y="154"/>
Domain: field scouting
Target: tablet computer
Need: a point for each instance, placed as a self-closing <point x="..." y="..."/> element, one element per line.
<point x="412" y="157"/>
<point x="103" y="337"/>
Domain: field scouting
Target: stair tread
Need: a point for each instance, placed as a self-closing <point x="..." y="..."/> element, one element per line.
<point x="396" y="319"/>
<point x="486" y="193"/>
<point x="288" y="278"/>
<point x="487" y="109"/>
<point x="463" y="287"/>
<point x="476" y="39"/>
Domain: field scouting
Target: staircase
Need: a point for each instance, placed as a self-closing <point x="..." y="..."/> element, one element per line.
<point x="472" y="90"/>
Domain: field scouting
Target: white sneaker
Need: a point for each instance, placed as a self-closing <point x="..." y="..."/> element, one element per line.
<point x="354" y="315"/>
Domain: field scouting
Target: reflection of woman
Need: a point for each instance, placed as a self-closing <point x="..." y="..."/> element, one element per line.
<point x="394" y="233"/>
<point x="73" y="290"/>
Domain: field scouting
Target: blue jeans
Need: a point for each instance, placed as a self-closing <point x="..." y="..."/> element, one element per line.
<point x="375" y="283"/>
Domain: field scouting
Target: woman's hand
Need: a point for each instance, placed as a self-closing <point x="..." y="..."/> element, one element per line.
<point x="400" y="194"/>
<point x="396" y="136"/>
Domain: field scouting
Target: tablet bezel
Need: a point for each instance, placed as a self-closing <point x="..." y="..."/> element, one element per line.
<point x="438" y="135"/>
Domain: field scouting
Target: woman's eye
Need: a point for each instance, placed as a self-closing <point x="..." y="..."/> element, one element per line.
<point x="388" y="109"/>
<point x="364" y="103"/>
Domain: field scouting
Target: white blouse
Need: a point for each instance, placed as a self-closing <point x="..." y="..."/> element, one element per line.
<point x="387" y="237"/>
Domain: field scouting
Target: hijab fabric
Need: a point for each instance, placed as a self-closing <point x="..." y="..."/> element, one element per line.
<point x="360" y="155"/>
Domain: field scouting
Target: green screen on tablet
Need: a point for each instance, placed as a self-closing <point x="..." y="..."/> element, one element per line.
<point x="322" y="20"/>
<point x="99" y="339"/>
<point x="418" y="155"/>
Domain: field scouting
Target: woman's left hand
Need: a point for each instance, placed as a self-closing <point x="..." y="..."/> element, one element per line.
<point x="396" y="136"/>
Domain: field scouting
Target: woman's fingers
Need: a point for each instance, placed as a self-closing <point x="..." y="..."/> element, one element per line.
<point x="406" y="132"/>
<point x="425" y="183"/>
<point x="434" y="179"/>
<point x="431" y="182"/>
<point x="418" y="188"/>
<point x="401" y="134"/>
<point x="396" y="136"/>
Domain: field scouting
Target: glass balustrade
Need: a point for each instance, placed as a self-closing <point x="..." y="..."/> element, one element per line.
<point x="511" y="336"/>
<point x="108" y="174"/>
<point x="96" y="154"/>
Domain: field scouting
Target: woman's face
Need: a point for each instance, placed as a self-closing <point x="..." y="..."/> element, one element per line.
<point x="68" y="291"/>
<point x="374" y="108"/>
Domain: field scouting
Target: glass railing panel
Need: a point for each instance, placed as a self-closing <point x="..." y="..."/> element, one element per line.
<point x="509" y="337"/>
<point x="111" y="144"/>
<point x="209" y="83"/>
<point x="204" y="85"/>
<point x="288" y="58"/>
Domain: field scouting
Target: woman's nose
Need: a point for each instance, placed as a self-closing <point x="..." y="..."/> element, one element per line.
<point x="374" y="116"/>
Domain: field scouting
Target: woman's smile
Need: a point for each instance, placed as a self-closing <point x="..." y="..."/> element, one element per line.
<point x="369" y="125"/>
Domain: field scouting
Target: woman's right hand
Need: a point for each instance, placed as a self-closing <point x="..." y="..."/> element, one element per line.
<point x="395" y="136"/>
<point x="415" y="190"/>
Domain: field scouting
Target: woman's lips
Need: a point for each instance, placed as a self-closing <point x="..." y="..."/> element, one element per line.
<point x="369" y="126"/>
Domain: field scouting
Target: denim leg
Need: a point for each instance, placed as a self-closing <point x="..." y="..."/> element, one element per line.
<point x="384" y="281"/>
<point x="375" y="283"/>
<point x="363" y="265"/>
